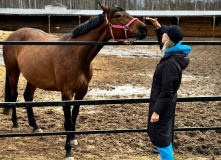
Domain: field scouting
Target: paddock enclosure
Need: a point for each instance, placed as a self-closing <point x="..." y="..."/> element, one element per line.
<point x="124" y="76"/>
<point x="201" y="78"/>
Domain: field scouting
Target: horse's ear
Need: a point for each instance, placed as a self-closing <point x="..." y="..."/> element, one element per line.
<point x="104" y="8"/>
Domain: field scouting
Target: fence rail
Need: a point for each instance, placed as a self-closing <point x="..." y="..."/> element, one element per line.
<point x="101" y="43"/>
<point x="103" y="102"/>
<point x="99" y="102"/>
<point x="103" y="132"/>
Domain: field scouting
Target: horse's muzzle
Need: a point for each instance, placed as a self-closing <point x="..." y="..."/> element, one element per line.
<point x="142" y="32"/>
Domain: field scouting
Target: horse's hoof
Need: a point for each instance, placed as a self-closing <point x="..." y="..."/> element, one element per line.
<point x="15" y="130"/>
<point x="38" y="131"/>
<point x="69" y="158"/>
<point x="74" y="142"/>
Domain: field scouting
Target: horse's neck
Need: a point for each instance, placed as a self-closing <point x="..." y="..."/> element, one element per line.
<point x="88" y="53"/>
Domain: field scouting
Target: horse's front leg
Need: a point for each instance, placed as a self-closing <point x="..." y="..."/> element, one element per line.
<point x="75" y="113"/>
<point x="78" y="96"/>
<point x="28" y="96"/>
<point x="67" y="124"/>
<point x="15" y="127"/>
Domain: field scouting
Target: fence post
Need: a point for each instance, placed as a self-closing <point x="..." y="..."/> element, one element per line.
<point x="49" y="24"/>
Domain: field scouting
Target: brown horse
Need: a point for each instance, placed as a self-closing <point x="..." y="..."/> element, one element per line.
<point x="63" y="68"/>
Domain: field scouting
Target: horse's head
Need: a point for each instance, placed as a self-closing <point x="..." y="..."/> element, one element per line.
<point x="122" y="25"/>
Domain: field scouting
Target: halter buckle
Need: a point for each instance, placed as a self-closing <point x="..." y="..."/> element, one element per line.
<point x="128" y="42"/>
<point x="126" y="28"/>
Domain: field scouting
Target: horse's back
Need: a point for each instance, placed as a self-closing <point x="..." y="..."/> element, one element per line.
<point x="31" y="60"/>
<point x="24" y="34"/>
<point x="29" y="34"/>
<point x="11" y="52"/>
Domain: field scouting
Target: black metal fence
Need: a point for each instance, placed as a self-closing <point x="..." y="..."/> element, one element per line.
<point x="102" y="102"/>
<point x="102" y="43"/>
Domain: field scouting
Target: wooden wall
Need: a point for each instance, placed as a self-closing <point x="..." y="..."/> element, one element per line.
<point x="15" y="22"/>
<point x="191" y="26"/>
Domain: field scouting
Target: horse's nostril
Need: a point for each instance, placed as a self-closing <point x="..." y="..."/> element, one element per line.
<point x="143" y="28"/>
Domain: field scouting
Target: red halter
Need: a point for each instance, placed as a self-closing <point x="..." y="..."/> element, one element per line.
<point x="125" y="28"/>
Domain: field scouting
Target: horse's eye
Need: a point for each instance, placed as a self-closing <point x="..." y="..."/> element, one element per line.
<point x="117" y="16"/>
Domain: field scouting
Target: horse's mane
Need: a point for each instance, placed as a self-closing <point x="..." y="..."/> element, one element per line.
<point x="88" y="26"/>
<point x="94" y="22"/>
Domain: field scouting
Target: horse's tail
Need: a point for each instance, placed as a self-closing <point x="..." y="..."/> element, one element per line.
<point x="8" y="95"/>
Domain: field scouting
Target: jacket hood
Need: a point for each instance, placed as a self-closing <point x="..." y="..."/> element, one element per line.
<point x="182" y="59"/>
<point x="179" y="53"/>
<point x="179" y="48"/>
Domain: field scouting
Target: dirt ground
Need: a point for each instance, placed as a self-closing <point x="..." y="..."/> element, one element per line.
<point x="201" y="78"/>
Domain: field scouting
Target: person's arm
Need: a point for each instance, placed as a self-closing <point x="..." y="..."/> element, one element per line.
<point x="158" y="30"/>
<point x="155" y="116"/>
<point x="155" y="22"/>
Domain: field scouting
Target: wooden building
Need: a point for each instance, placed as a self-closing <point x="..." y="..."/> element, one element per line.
<point x="193" y="23"/>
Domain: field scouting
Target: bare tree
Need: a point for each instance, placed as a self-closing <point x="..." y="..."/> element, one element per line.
<point x="152" y="5"/>
<point x="96" y="4"/>
<point x="21" y="4"/>
<point x="29" y="4"/>
<point x="195" y="5"/>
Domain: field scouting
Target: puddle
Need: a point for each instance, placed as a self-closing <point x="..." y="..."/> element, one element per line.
<point x="186" y="77"/>
<point x="131" y="51"/>
<point x="1" y="57"/>
<point x="127" y="91"/>
<point x="92" y="112"/>
<point x="123" y="91"/>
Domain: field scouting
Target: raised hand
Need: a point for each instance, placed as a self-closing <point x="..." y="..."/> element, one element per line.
<point x="154" y="21"/>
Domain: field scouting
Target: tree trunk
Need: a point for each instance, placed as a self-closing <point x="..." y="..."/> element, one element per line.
<point x="29" y="4"/>
<point x="152" y="5"/>
<point x="195" y="5"/>
<point x="96" y="4"/>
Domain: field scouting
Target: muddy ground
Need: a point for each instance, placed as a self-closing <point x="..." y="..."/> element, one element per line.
<point x="201" y="78"/>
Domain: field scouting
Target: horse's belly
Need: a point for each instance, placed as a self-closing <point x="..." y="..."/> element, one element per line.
<point x="42" y="81"/>
<point x="39" y="76"/>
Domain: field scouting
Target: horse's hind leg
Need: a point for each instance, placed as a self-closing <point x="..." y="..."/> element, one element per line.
<point x="28" y="96"/>
<point x="11" y="95"/>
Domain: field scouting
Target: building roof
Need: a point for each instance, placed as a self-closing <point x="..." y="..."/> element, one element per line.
<point x="56" y="12"/>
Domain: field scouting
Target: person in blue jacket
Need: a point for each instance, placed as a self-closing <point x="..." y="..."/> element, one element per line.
<point x="166" y="82"/>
